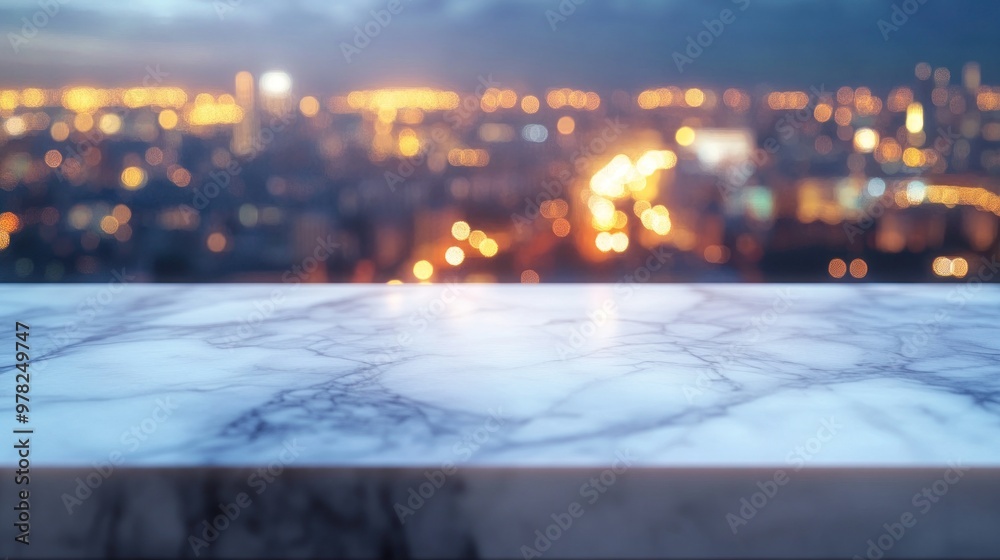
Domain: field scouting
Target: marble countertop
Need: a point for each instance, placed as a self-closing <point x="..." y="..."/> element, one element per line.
<point x="509" y="375"/>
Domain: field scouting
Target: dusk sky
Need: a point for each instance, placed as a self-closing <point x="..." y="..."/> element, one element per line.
<point x="602" y="45"/>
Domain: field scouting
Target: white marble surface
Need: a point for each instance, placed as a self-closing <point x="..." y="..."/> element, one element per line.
<point x="374" y="375"/>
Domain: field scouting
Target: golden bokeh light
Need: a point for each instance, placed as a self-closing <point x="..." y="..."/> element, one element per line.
<point x="109" y="225"/>
<point x="823" y="112"/>
<point x="59" y="131"/>
<point x="556" y="99"/>
<point x="552" y="209"/>
<point x="309" y="106"/>
<point x="507" y="98"/>
<point x="913" y="157"/>
<point x="837" y="268"/>
<point x="530" y="104"/>
<point x="423" y="270"/>
<point x="561" y="227"/>
<point x="915" y="118"/>
<point x="454" y="256"/>
<point x="216" y="242"/>
<point x="15" y="126"/>
<point x="859" y="268"/>
<point x="458" y="157"/>
<point x="685" y="136"/>
<point x="945" y="266"/>
<point x="488" y="247"/>
<point x="460" y="230"/>
<point x="619" y="242"/>
<point x="33" y="97"/>
<point x="86" y="99"/>
<point x="603" y="241"/>
<point x="180" y="177"/>
<point x="476" y="237"/>
<point x="110" y="123"/>
<point x="843" y="116"/>
<point x="648" y="100"/>
<point x="657" y="219"/>
<point x="865" y="140"/>
<point x="959" y="267"/>
<point x="942" y="266"/>
<point x="653" y="160"/>
<point x="566" y="125"/>
<point x="122" y="213"/>
<point x="83" y="122"/>
<point x="167" y="119"/>
<point x="133" y="178"/>
<point x="409" y="144"/>
<point x="9" y="222"/>
<point x="694" y="97"/>
<point x="53" y="158"/>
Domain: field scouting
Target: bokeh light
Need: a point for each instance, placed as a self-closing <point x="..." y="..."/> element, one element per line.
<point x="837" y="268"/>
<point x="423" y="270"/>
<point x="454" y="256"/>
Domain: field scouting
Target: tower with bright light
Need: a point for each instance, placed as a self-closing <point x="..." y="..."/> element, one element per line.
<point x="245" y="131"/>
<point x="276" y="93"/>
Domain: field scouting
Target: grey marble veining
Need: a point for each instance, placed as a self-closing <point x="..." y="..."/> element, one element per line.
<point x="403" y="376"/>
<point x="154" y="406"/>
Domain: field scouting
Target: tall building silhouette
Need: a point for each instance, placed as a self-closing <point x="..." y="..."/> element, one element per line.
<point x="246" y="131"/>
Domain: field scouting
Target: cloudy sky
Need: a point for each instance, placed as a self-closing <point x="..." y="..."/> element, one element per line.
<point x="601" y="45"/>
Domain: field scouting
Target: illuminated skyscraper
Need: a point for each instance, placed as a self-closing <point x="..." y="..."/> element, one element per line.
<point x="246" y="131"/>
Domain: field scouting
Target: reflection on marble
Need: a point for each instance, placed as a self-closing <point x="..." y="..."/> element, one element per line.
<point x="862" y="395"/>
<point x="683" y="375"/>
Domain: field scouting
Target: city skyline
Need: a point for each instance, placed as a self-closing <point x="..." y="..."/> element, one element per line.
<point x="203" y="185"/>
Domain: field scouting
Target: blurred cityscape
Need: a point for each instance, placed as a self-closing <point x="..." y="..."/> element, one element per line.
<point x="266" y="183"/>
